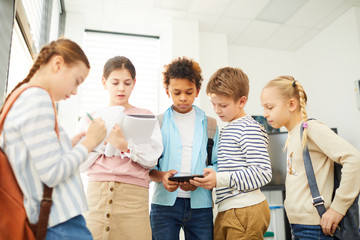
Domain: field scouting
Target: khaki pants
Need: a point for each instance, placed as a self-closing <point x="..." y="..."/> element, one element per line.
<point x="118" y="211"/>
<point x="249" y="223"/>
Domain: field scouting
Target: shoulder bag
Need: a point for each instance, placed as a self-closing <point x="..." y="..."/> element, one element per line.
<point x="14" y="223"/>
<point x="348" y="227"/>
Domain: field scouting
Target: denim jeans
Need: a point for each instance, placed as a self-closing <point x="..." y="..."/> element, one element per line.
<point x="166" y="221"/>
<point x="74" y="228"/>
<point x="308" y="232"/>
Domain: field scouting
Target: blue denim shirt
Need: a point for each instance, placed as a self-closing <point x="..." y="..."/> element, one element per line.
<point x="172" y="156"/>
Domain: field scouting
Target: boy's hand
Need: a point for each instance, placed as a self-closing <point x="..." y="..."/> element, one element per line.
<point x="209" y="180"/>
<point x="186" y="186"/>
<point x="170" y="186"/>
<point x="330" y="221"/>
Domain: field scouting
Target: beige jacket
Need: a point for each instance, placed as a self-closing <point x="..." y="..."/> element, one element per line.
<point x="325" y="148"/>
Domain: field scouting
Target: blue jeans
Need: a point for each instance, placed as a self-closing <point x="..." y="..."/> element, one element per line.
<point x="308" y="232"/>
<point x="166" y="221"/>
<point x="74" y="228"/>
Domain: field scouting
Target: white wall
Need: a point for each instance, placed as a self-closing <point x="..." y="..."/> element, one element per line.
<point x="327" y="66"/>
<point x="330" y="65"/>
<point x="184" y="38"/>
<point x="213" y="55"/>
<point x="261" y="65"/>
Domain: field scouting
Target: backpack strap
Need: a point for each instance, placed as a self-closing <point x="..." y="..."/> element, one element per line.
<point x="40" y="228"/>
<point x="317" y="199"/>
<point x="211" y="127"/>
<point x="160" y="119"/>
<point x="211" y="130"/>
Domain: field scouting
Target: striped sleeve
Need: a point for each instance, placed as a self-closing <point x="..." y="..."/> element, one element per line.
<point x="244" y="162"/>
<point x="36" y="121"/>
<point x="253" y="143"/>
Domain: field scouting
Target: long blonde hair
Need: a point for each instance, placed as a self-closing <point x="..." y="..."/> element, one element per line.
<point x="291" y="88"/>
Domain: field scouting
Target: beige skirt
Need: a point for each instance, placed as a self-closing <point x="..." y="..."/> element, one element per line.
<point x="118" y="211"/>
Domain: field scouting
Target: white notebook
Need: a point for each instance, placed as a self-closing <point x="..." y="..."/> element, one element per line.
<point x="137" y="127"/>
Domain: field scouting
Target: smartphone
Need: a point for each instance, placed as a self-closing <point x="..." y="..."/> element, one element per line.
<point x="184" y="178"/>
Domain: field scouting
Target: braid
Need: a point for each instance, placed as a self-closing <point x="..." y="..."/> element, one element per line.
<point x="302" y="101"/>
<point x="44" y="56"/>
<point x="69" y="50"/>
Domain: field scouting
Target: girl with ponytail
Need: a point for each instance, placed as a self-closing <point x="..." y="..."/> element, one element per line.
<point x="36" y="154"/>
<point x="284" y="101"/>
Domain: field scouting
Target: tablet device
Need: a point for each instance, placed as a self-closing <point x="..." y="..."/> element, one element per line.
<point x="184" y="178"/>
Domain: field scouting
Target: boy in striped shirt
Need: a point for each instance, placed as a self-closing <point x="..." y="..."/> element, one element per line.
<point x="243" y="161"/>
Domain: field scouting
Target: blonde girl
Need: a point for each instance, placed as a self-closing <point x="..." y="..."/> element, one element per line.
<point x="284" y="101"/>
<point x="34" y="151"/>
<point x="118" y="189"/>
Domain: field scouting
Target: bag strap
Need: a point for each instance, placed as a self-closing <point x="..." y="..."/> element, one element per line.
<point x="211" y="127"/>
<point x="46" y="201"/>
<point x="44" y="214"/>
<point x="211" y="131"/>
<point x="160" y="119"/>
<point x="317" y="199"/>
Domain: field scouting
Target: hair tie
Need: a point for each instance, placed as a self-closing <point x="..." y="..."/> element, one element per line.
<point x="294" y="83"/>
<point x="305" y="124"/>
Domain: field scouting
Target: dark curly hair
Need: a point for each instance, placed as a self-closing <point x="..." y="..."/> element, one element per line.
<point x="183" y="68"/>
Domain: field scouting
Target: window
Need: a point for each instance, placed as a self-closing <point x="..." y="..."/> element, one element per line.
<point x="144" y="53"/>
<point x="26" y="36"/>
<point x="20" y="60"/>
<point x="33" y="10"/>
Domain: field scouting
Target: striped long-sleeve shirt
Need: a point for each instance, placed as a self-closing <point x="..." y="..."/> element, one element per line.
<point x="243" y="164"/>
<point x="37" y="156"/>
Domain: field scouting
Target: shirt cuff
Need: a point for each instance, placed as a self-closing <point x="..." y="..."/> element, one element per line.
<point x="222" y="179"/>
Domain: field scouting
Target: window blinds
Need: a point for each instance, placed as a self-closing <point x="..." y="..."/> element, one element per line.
<point x="144" y="53"/>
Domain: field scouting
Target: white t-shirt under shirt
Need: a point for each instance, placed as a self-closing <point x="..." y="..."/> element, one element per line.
<point x="185" y="123"/>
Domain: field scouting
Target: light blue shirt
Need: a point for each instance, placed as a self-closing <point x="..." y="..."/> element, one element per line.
<point x="172" y="156"/>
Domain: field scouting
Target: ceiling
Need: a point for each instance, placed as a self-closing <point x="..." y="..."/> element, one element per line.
<point x="274" y="24"/>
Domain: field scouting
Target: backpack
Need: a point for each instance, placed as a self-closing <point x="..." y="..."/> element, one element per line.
<point x="211" y="130"/>
<point x="348" y="227"/>
<point x="14" y="223"/>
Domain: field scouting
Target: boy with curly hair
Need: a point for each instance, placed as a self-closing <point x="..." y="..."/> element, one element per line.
<point x="175" y="204"/>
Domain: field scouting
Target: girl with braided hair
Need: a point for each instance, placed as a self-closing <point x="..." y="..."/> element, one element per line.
<point x="36" y="154"/>
<point x="284" y="101"/>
